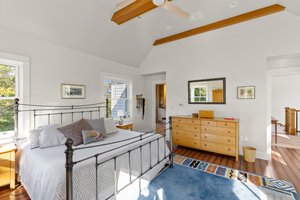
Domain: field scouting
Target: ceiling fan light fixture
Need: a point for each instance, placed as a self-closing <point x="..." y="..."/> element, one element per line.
<point x="158" y="2"/>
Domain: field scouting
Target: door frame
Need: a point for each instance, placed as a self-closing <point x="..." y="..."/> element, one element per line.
<point x="153" y="103"/>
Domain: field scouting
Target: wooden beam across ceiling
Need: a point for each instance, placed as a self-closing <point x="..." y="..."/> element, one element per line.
<point x="223" y="23"/>
<point x="132" y="10"/>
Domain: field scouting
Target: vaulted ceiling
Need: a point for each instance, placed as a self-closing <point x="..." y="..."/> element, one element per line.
<point x="85" y="25"/>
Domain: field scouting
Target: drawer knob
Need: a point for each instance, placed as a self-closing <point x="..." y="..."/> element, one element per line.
<point x="195" y="143"/>
<point x="205" y="145"/>
<point x="228" y="149"/>
<point x="195" y="127"/>
<point x="229" y="140"/>
<point x="205" y="129"/>
<point x="225" y="124"/>
<point x="205" y="137"/>
<point x="208" y="122"/>
<point x="195" y="135"/>
<point x="228" y="131"/>
<point x="193" y="121"/>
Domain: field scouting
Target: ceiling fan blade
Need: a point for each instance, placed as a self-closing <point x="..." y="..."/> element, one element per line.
<point x="175" y="9"/>
<point x="124" y="3"/>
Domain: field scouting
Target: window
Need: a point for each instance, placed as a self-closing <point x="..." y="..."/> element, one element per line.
<point x="200" y="94"/>
<point x="117" y="93"/>
<point x="8" y="92"/>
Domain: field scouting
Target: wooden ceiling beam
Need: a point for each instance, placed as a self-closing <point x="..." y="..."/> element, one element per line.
<point x="223" y="23"/>
<point x="132" y="10"/>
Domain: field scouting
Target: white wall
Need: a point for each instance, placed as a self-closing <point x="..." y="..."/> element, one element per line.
<point x="238" y="53"/>
<point x="150" y="80"/>
<point x="52" y="65"/>
<point x="285" y="93"/>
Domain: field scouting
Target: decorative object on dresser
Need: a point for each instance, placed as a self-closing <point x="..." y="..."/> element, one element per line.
<point x="125" y="126"/>
<point x="246" y="92"/>
<point x="216" y="135"/>
<point x="7" y="165"/>
<point x="207" y="91"/>
<point x="206" y="114"/>
<point x="72" y="91"/>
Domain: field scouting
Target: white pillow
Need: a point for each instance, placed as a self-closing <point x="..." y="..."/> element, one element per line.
<point x="34" y="136"/>
<point x="110" y="126"/>
<point x="50" y="136"/>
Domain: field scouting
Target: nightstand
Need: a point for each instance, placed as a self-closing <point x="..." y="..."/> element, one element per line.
<point x="7" y="165"/>
<point x="125" y="126"/>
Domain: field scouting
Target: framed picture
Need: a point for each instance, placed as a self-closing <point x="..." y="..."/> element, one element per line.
<point x="246" y="92"/>
<point x="71" y="91"/>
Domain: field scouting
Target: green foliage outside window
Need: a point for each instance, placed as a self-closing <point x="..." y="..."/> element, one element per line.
<point x="7" y="89"/>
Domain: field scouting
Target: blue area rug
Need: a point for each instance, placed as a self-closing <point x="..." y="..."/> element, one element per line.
<point x="185" y="183"/>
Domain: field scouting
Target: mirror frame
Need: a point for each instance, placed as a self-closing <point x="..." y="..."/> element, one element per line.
<point x="203" y="80"/>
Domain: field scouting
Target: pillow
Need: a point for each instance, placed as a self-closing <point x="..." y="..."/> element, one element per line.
<point x="74" y="131"/>
<point x="97" y="124"/>
<point x="90" y="136"/>
<point x="34" y="136"/>
<point x="50" y="136"/>
<point x="110" y="126"/>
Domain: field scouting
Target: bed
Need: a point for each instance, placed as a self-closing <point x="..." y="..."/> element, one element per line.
<point x="115" y="168"/>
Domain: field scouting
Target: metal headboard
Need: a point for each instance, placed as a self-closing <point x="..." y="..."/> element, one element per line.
<point x="38" y="110"/>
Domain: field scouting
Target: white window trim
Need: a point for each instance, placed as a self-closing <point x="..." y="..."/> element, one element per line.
<point x="22" y="85"/>
<point x="126" y="79"/>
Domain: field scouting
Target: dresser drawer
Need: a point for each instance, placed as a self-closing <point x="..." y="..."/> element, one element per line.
<point x="218" y="130"/>
<point x="226" y="124"/>
<point x="186" y="127"/>
<point x="4" y="156"/>
<point x="192" y="121"/>
<point x="218" y="148"/>
<point x="179" y="133"/>
<point x="179" y="120"/>
<point x="218" y="139"/>
<point x="4" y="166"/>
<point x="5" y="178"/>
<point x="208" y="122"/>
<point x="187" y="142"/>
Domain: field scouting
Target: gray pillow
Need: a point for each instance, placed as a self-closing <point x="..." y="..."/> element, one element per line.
<point x="74" y="131"/>
<point x="110" y="126"/>
<point x="97" y="124"/>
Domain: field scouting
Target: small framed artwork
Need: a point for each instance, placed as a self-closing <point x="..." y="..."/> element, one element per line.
<point x="71" y="91"/>
<point x="246" y="92"/>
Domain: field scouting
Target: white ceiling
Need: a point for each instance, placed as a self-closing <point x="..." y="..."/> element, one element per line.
<point x="86" y="25"/>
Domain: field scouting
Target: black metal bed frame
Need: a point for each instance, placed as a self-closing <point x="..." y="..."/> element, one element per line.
<point x="61" y="111"/>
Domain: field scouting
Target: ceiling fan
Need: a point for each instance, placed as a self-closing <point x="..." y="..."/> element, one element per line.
<point x="130" y="9"/>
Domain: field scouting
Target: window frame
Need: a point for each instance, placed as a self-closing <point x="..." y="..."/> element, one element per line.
<point x="129" y="91"/>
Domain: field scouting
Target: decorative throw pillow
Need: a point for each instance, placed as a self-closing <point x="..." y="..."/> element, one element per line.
<point x="110" y="126"/>
<point x="74" y="131"/>
<point x="50" y="136"/>
<point x="97" y="124"/>
<point x="90" y="136"/>
<point x="34" y="136"/>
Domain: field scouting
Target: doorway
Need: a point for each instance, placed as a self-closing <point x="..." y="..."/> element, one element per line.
<point x="160" y="106"/>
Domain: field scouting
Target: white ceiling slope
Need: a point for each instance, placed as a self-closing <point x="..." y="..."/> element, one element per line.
<point x="85" y="25"/>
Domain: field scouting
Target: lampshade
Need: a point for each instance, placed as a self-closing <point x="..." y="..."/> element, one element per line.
<point x="158" y="2"/>
<point x="120" y="113"/>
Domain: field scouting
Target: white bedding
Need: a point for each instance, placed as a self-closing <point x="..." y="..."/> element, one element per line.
<point x="42" y="171"/>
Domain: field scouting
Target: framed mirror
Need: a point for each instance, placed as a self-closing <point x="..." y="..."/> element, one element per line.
<point x="207" y="91"/>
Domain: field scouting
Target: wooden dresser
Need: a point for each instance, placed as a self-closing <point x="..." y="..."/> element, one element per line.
<point x="215" y="135"/>
<point x="7" y="165"/>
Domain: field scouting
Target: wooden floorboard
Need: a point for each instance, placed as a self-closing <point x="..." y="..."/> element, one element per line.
<point x="283" y="165"/>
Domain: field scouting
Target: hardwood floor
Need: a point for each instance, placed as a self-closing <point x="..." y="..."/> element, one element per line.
<point x="283" y="165"/>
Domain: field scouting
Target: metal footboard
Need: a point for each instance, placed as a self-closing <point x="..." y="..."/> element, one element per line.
<point x="70" y="163"/>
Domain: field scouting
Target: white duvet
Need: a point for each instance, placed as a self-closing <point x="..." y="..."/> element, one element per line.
<point x="43" y="174"/>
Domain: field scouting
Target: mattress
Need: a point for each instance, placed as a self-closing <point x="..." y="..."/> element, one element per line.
<point x="42" y="171"/>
